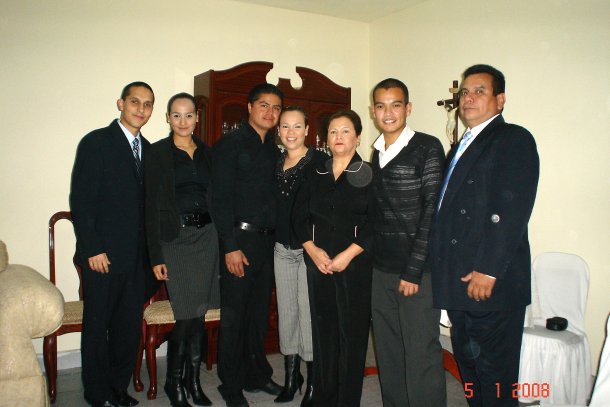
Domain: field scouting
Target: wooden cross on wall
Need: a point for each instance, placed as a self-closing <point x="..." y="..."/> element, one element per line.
<point x="451" y="106"/>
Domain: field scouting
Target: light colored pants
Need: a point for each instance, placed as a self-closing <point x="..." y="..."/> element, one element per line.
<point x="293" y="302"/>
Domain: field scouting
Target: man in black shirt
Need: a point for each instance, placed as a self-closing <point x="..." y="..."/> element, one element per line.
<point x="407" y="168"/>
<point x="244" y="211"/>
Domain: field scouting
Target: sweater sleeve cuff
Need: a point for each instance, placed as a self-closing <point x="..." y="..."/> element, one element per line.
<point x="410" y="278"/>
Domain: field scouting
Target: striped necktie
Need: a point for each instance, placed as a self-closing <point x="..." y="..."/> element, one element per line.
<point x="136" y="155"/>
<point x="456" y="157"/>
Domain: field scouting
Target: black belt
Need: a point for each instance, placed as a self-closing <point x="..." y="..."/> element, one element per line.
<point x="195" y="219"/>
<point x="249" y="227"/>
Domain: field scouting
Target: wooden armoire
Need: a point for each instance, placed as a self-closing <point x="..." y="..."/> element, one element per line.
<point x="222" y="99"/>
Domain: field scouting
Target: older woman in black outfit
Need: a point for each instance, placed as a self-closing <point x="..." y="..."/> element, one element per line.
<point x="183" y="244"/>
<point x="330" y="219"/>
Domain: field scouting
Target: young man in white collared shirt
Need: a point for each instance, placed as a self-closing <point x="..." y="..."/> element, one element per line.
<point x="407" y="169"/>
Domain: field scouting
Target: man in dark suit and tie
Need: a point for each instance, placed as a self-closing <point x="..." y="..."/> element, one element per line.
<point x="480" y="249"/>
<point x="107" y="203"/>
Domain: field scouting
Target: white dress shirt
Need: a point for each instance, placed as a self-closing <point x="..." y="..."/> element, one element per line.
<point x="386" y="155"/>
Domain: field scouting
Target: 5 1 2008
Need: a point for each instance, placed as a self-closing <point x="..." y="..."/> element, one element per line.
<point x="525" y="390"/>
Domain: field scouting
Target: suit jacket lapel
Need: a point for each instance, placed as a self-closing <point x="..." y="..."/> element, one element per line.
<point x="124" y="149"/>
<point x="469" y="159"/>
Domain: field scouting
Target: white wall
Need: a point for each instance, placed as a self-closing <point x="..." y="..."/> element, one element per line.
<point x="63" y="64"/>
<point x="556" y="59"/>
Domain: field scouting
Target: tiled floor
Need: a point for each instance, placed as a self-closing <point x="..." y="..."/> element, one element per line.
<point x="70" y="393"/>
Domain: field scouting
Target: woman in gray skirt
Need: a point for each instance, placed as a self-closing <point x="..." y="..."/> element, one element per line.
<point x="182" y="243"/>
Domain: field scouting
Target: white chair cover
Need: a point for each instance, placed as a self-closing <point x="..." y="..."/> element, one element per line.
<point x="601" y="392"/>
<point x="561" y="359"/>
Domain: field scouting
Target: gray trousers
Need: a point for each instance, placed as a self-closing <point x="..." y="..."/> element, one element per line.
<point x="292" y="302"/>
<point x="406" y="336"/>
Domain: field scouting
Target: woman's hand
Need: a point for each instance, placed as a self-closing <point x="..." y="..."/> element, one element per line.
<point x="343" y="259"/>
<point x="319" y="256"/>
<point x="160" y="271"/>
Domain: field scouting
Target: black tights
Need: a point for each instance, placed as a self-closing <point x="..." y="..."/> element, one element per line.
<point x="187" y="328"/>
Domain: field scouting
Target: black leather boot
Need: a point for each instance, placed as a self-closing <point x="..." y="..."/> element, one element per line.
<point x="192" y="384"/>
<point x="176" y="354"/>
<point x="294" y="379"/>
<point x="308" y="397"/>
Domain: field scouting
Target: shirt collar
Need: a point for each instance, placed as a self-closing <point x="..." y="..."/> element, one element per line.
<point x="401" y="141"/>
<point x="480" y="127"/>
<point x="130" y="137"/>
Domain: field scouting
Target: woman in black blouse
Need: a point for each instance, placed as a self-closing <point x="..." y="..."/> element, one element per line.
<point x="182" y="243"/>
<point x="330" y="220"/>
<point x="289" y="266"/>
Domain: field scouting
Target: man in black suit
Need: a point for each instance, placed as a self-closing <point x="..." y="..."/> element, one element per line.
<point x="107" y="203"/>
<point x="244" y="211"/>
<point x="480" y="249"/>
<point x="408" y="167"/>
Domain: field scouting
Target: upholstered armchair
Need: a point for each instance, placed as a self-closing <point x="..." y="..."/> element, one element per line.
<point x="30" y="307"/>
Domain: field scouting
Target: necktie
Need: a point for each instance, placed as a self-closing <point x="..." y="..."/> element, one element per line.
<point x="136" y="155"/>
<point x="456" y="157"/>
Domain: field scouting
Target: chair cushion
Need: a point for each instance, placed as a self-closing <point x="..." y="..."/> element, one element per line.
<point x="73" y="313"/>
<point x="159" y="312"/>
<point x="212" y="315"/>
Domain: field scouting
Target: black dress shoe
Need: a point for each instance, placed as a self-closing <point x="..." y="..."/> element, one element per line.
<point x="124" y="399"/>
<point x="270" y="387"/>
<point x="234" y="399"/>
<point x="106" y="403"/>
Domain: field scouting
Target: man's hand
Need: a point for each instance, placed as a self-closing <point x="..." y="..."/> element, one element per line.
<point x="319" y="257"/>
<point x="235" y="261"/>
<point x="480" y="285"/>
<point x="407" y="289"/>
<point x="160" y="271"/>
<point x="99" y="263"/>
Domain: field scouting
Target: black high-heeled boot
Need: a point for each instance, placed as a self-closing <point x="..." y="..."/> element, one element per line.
<point x="176" y="353"/>
<point x="192" y="383"/>
<point x="308" y="397"/>
<point x="294" y="379"/>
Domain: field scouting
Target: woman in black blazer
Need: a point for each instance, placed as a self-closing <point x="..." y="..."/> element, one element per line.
<point x="330" y="220"/>
<point x="289" y="265"/>
<point x="182" y="243"/>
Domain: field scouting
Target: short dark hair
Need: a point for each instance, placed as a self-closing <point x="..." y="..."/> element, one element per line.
<point x="498" y="82"/>
<point x="392" y="83"/>
<point x="351" y="115"/>
<point x="295" y="109"/>
<point x="181" y="95"/>
<point x="127" y="88"/>
<point x="263" y="88"/>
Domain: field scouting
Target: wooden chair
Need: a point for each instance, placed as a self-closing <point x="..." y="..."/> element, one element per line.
<point x="157" y="324"/>
<point x="73" y="311"/>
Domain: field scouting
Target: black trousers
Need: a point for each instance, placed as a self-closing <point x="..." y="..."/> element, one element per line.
<point x="244" y="310"/>
<point x="112" y="326"/>
<point x="340" y="318"/>
<point x="487" y="347"/>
